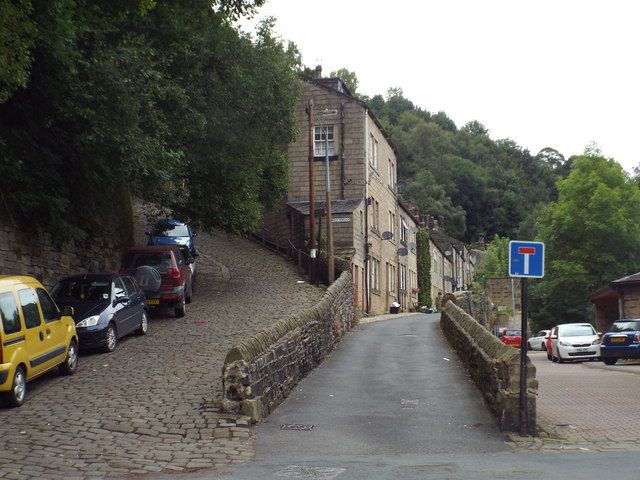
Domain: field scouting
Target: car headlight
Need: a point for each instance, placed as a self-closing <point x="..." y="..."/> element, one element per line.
<point x="89" y="321"/>
<point x="564" y="344"/>
<point x="597" y="341"/>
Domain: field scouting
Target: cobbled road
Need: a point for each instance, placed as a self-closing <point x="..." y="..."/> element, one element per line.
<point x="151" y="405"/>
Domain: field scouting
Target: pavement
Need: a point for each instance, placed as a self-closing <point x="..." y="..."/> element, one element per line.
<point x="151" y="406"/>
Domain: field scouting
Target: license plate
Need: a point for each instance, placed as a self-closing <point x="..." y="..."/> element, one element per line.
<point x="618" y="339"/>
<point x="582" y="349"/>
<point x="153" y="301"/>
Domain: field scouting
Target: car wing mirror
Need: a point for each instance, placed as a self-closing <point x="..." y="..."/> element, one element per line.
<point x="121" y="300"/>
<point x="553" y="337"/>
<point x="67" y="312"/>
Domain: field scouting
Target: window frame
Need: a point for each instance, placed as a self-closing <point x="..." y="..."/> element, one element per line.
<point x="319" y="141"/>
<point x="30" y="291"/>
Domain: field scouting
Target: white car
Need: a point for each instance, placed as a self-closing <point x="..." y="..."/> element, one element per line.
<point x="575" y="341"/>
<point x="538" y="341"/>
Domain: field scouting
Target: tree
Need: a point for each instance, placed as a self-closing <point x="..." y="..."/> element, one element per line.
<point x="424" y="268"/>
<point x="349" y="78"/>
<point x="163" y="99"/>
<point x="16" y="42"/>
<point x="592" y="236"/>
<point x="495" y="262"/>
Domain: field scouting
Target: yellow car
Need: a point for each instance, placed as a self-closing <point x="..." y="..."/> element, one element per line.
<point x="35" y="336"/>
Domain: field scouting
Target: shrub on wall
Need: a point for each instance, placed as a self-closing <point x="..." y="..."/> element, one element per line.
<point x="424" y="268"/>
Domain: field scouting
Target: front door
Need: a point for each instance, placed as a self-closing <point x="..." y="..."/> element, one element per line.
<point x="55" y="328"/>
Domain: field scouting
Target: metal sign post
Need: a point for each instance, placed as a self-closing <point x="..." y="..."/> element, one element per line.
<point x="526" y="260"/>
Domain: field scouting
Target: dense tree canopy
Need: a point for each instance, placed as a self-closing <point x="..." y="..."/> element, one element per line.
<point x="592" y="236"/>
<point x="165" y="99"/>
<point x="476" y="184"/>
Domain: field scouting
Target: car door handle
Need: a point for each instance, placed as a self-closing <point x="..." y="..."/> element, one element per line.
<point x="41" y="335"/>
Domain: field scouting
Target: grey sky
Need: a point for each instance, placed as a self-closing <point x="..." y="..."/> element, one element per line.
<point x="557" y="73"/>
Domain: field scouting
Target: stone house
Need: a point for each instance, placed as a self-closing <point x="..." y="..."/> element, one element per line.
<point x="453" y="263"/>
<point x="619" y="299"/>
<point x="370" y="228"/>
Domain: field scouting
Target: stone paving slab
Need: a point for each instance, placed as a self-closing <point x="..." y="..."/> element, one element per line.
<point x="585" y="406"/>
<point x="151" y="405"/>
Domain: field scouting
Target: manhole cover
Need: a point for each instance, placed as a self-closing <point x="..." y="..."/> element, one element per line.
<point x="296" y="471"/>
<point x="297" y="426"/>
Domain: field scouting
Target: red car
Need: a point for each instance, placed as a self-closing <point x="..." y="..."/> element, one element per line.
<point x="164" y="274"/>
<point x="511" y="337"/>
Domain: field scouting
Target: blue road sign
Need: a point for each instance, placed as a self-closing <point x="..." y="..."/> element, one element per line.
<point x="526" y="259"/>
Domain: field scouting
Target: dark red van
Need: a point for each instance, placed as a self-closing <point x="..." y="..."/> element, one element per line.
<point x="164" y="275"/>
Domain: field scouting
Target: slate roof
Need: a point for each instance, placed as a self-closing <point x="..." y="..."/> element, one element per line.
<point x="337" y="206"/>
<point x="628" y="280"/>
<point x="444" y="242"/>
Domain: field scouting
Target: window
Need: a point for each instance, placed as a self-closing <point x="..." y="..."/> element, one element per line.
<point x="118" y="289"/>
<point x="391" y="277"/>
<point x="320" y="142"/>
<point x="403" y="230"/>
<point x="49" y="309"/>
<point x="9" y="313"/>
<point x="29" y="308"/>
<point x="403" y="278"/>
<point x="391" y="175"/>
<point x="129" y="286"/>
<point x="374" y="269"/>
<point x="373" y="151"/>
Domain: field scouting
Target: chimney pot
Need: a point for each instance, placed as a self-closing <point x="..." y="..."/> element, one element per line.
<point x="318" y="72"/>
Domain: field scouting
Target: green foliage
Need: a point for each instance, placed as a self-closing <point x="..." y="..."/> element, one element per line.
<point x="478" y="186"/>
<point x="165" y="99"/>
<point x="348" y="77"/>
<point x="424" y="268"/>
<point x="591" y="235"/>
<point x="16" y="42"/>
<point x="495" y="262"/>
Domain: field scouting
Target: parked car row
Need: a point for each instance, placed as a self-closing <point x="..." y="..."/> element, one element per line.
<point x="580" y="341"/>
<point x="40" y="331"/>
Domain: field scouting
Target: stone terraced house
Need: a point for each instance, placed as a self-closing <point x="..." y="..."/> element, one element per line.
<point x="371" y="228"/>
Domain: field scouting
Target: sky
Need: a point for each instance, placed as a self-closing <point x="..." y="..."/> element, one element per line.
<point x="559" y="74"/>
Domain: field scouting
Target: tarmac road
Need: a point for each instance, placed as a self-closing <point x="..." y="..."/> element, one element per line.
<point x="393" y="402"/>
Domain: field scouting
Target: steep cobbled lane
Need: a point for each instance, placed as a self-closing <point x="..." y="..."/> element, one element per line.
<point x="149" y="406"/>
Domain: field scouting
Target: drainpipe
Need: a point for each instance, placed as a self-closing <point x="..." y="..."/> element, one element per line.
<point x="366" y="218"/>
<point x="342" y="174"/>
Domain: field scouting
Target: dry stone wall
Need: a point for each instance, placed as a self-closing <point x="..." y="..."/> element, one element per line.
<point x="36" y="254"/>
<point x="259" y="373"/>
<point x="494" y="367"/>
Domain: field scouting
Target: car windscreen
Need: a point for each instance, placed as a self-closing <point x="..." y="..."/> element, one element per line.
<point x="82" y="290"/>
<point x="165" y="230"/>
<point x="633" y="326"/>
<point x="161" y="261"/>
<point x="512" y="333"/>
<point x="576" y="331"/>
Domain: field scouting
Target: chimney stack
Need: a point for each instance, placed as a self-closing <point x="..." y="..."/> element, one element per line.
<point x="318" y="73"/>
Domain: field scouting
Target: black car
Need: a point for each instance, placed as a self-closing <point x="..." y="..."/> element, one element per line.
<point x="106" y="307"/>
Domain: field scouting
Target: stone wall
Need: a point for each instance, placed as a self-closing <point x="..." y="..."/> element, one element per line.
<point x="494" y="367"/>
<point x="259" y="373"/>
<point x="36" y="254"/>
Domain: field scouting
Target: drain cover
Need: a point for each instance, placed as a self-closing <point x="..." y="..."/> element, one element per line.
<point x="296" y="471"/>
<point x="297" y="426"/>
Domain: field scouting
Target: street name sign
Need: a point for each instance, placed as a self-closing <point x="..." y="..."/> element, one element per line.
<point x="526" y="259"/>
